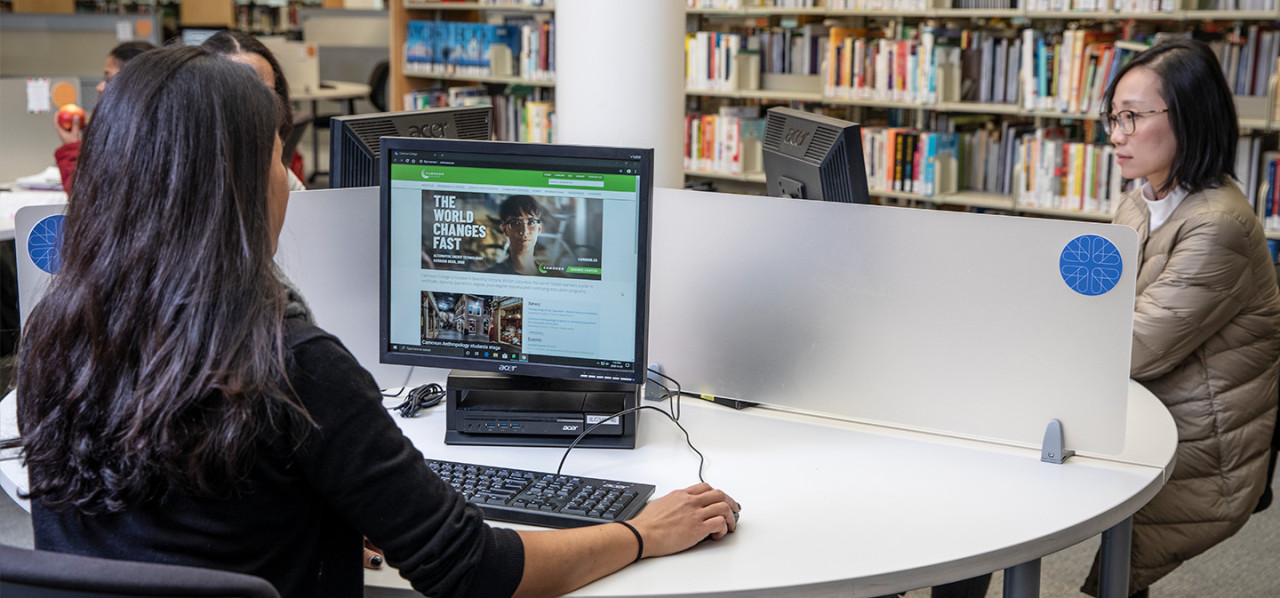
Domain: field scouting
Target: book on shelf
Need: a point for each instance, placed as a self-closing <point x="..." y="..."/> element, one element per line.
<point x="1052" y="171"/>
<point x="906" y="160"/>
<point x="709" y="59"/>
<point x="1250" y="167"/>
<point x="445" y="47"/>
<point x="1269" y="190"/>
<point x="539" y="119"/>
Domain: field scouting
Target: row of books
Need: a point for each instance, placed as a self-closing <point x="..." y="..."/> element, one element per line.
<point x="862" y="67"/>
<point x="1249" y="65"/>
<point x="1061" y="71"/>
<point x="1039" y="167"/>
<point x="542" y="3"/>
<point x="736" y="4"/>
<point x="1235" y="4"/>
<point x="709" y="60"/>
<point x="905" y="160"/>
<point x="1048" y="171"/>
<point x="1069" y="72"/>
<point x="1132" y="6"/>
<point x="726" y="142"/>
<point x="887" y="4"/>
<point x="1124" y="6"/>
<point x="523" y="49"/>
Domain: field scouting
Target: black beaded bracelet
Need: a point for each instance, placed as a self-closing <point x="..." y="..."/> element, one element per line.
<point x="639" y="540"/>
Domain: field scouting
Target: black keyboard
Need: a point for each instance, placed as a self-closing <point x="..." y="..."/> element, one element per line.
<point x="545" y="499"/>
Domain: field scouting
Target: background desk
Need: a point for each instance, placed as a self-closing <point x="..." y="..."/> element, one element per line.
<point x="338" y="91"/>
<point x="894" y="511"/>
<point x="12" y="201"/>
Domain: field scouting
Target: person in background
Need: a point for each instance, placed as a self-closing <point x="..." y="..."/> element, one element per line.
<point x="69" y="152"/>
<point x="172" y="412"/>
<point x="1206" y="325"/>
<point x="246" y="49"/>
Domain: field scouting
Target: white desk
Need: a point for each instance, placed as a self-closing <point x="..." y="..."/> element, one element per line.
<point x="12" y="201"/>
<point x="900" y="510"/>
<point x="339" y="91"/>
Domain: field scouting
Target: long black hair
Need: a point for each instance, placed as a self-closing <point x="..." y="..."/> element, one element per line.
<point x="231" y="43"/>
<point x="1202" y="112"/>
<point x="155" y="359"/>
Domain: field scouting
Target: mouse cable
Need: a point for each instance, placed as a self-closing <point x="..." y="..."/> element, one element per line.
<point x="701" y="459"/>
<point x="674" y="396"/>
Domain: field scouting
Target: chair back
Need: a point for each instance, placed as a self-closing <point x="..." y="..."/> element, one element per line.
<point x="378" y="79"/>
<point x="26" y="573"/>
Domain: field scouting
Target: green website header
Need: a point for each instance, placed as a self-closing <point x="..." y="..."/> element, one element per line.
<point x="564" y="181"/>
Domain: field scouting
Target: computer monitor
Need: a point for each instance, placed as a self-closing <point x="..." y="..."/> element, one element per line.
<point x="354" y="139"/>
<point x="808" y="156"/>
<point x="526" y="264"/>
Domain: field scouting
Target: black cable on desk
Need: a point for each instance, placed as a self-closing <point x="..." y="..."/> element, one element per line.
<point x="674" y="416"/>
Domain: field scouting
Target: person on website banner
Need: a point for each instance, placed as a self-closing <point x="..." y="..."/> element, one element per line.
<point x="520" y="219"/>
<point x="1206" y="325"/>
<point x="171" y="411"/>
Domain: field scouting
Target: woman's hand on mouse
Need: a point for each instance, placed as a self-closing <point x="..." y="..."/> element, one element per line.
<point x="685" y="517"/>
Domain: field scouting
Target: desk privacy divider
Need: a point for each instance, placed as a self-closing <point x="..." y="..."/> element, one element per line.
<point x="329" y="248"/>
<point x="970" y="325"/>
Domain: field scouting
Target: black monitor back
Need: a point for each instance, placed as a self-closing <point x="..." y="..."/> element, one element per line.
<point x="355" y="146"/>
<point x="809" y="156"/>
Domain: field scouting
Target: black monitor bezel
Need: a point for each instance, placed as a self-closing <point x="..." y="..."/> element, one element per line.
<point x="635" y="375"/>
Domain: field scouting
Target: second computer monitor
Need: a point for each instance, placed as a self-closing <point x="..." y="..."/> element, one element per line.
<point x="808" y="156"/>
<point x="355" y="145"/>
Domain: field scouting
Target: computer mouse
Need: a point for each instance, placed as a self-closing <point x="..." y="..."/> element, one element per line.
<point x="735" y="523"/>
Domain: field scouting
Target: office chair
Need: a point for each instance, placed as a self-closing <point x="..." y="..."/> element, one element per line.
<point x="28" y="573"/>
<point x="378" y="79"/>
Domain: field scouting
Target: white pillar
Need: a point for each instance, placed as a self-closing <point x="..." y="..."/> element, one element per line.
<point x="620" y="78"/>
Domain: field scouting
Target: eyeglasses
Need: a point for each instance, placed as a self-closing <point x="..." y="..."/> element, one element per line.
<point x="1125" y="120"/>
<point x="521" y="223"/>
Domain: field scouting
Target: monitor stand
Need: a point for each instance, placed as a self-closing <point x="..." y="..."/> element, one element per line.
<point x="484" y="408"/>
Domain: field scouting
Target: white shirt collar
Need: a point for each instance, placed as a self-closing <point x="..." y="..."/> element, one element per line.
<point x="1161" y="208"/>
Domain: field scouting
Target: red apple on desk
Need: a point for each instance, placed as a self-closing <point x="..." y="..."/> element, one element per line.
<point x="68" y="114"/>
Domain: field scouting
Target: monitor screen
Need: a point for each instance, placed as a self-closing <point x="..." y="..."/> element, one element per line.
<point x="516" y="258"/>
<point x="354" y="140"/>
<point x="809" y="156"/>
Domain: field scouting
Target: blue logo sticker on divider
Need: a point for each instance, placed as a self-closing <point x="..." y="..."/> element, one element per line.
<point x="1091" y="265"/>
<point x="45" y="243"/>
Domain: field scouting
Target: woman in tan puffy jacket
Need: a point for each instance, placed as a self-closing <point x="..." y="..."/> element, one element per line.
<point x="1206" y="327"/>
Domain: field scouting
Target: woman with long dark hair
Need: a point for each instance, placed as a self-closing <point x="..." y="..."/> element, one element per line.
<point x="171" y="412"/>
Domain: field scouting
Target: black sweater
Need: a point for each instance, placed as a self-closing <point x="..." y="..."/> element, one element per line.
<point x="299" y="521"/>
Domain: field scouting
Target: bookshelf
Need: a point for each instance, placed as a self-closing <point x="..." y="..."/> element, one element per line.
<point x="520" y="84"/>
<point x="925" y="112"/>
